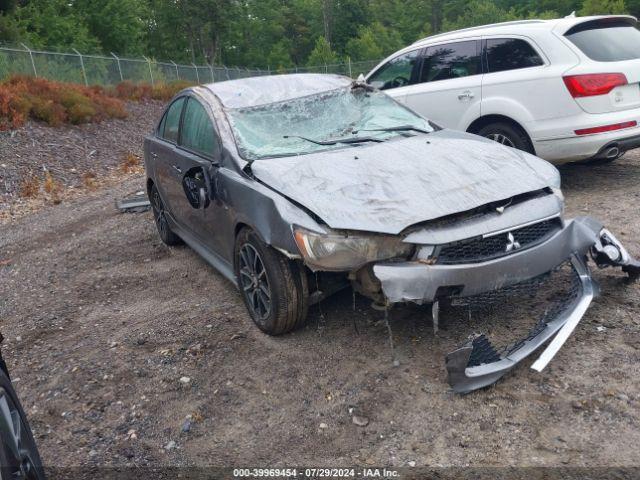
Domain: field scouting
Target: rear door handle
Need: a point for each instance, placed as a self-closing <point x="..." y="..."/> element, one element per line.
<point x="466" y="95"/>
<point x="177" y="168"/>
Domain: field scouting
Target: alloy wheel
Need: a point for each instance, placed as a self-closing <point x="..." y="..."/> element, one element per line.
<point x="18" y="448"/>
<point x="254" y="282"/>
<point x="500" y="138"/>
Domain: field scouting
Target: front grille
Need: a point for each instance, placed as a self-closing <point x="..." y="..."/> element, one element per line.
<point x="482" y="249"/>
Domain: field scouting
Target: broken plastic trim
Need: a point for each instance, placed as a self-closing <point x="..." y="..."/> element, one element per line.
<point x="464" y="378"/>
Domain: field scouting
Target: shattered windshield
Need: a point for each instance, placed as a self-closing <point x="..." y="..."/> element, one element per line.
<point x="341" y="118"/>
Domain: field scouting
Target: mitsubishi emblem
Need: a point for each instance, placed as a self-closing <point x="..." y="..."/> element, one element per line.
<point x="511" y="243"/>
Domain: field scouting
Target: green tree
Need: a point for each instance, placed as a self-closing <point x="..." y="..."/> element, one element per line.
<point x="119" y="25"/>
<point x="54" y="23"/>
<point x="480" y="12"/>
<point x="374" y="42"/>
<point x="322" y="54"/>
<point x="279" y="58"/>
<point x="601" y="7"/>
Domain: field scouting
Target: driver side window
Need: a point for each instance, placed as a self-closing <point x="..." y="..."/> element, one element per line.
<point x="395" y="73"/>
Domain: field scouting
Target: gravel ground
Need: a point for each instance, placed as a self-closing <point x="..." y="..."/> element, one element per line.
<point x="69" y="153"/>
<point x="128" y="352"/>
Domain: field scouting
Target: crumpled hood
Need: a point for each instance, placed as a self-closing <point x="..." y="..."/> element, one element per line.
<point x="387" y="187"/>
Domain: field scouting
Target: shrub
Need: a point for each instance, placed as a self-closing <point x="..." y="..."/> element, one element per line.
<point x="54" y="102"/>
<point x="57" y="103"/>
<point x="143" y="91"/>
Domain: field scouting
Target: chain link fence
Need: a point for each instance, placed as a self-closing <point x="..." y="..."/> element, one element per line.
<point x="104" y="70"/>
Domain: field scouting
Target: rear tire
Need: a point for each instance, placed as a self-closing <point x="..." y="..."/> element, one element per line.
<point x="507" y="134"/>
<point x="274" y="288"/>
<point x="160" y="217"/>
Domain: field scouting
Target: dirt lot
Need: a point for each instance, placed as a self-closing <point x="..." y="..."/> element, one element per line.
<point x="104" y="324"/>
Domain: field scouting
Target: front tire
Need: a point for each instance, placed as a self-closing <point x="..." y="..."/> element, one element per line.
<point x="274" y="288"/>
<point x="508" y="135"/>
<point x="19" y="457"/>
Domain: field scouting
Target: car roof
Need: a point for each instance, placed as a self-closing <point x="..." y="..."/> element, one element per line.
<point x="256" y="91"/>
<point x="561" y="25"/>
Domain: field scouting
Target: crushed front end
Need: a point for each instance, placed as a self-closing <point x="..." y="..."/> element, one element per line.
<point x="544" y="262"/>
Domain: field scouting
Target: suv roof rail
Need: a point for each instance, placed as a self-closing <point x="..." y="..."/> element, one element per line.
<point x="480" y="27"/>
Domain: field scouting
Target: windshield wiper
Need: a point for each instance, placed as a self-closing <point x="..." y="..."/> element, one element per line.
<point x="400" y="128"/>
<point x="338" y="140"/>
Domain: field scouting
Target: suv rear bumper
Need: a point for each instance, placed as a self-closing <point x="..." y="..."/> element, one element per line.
<point x="555" y="140"/>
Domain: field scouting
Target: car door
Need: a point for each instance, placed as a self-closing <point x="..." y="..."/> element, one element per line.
<point x="163" y="149"/>
<point x="396" y="75"/>
<point x="449" y="84"/>
<point x="196" y="164"/>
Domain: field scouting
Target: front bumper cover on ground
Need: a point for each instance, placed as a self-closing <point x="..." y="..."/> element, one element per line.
<point x="478" y="363"/>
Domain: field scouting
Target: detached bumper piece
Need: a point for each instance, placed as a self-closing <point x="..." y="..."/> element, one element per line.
<point x="546" y="273"/>
<point x="563" y="296"/>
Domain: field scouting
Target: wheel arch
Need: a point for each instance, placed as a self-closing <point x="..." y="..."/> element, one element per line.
<point x="485" y="120"/>
<point x="150" y="184"/>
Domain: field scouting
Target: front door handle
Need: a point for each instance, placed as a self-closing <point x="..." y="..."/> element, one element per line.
<point x="154" y="154"/>
<point x="177" y="168"/>
<point x="466" y="95"/>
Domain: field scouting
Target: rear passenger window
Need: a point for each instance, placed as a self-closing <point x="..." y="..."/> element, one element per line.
<point x="607" y="40"/>
<point x="510" y="54"/>
<point x="197" y="129"/>
<point x="453" y="60"/>
<point x="170" y="124"/>
<point x="395" y="73"/>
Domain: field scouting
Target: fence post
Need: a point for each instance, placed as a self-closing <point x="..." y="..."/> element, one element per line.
<point x="326" y="69"/>
<point x="227" y="72"/>
<point x="84" y="73"/>
<point x="177" y="74"/>
<point x="33" y="64"/>
<point x="213" y="79"/>
<point x="150" y="72"/>
<point x="350" y="72"/>
<point x="119" y="69"/>
<point x="197" y="74"/>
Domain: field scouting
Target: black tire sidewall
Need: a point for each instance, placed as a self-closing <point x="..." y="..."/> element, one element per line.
<point x="27" y="434"/>
<point x="518" y="137"/>
<point x="168" y="237"/>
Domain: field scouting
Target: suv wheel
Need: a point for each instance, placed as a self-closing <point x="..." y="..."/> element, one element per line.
<point x="274" y="288"/>
<point x="507" y="134"/>
<point x="19" y="456"/>
<point x="160" y="217"/>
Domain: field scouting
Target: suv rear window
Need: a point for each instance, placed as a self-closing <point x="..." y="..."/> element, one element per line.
<point x="607" y="40"/>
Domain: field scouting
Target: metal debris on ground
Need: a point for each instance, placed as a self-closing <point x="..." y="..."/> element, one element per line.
<point x="136" y="203"/>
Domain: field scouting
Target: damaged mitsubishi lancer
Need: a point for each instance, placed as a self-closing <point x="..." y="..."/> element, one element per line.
<point x="295" y="186"/>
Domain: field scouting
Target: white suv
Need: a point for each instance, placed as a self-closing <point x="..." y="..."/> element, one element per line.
<point x="565" y="89"/>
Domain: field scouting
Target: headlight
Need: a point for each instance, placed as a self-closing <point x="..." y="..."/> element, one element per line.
<point x="335" y="251"/>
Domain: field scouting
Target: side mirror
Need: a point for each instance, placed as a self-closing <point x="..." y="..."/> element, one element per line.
<point x="204" y="198"/>
<point x="196" y="185"/>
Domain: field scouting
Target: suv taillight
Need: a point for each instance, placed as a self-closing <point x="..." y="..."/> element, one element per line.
<point x="593" y="84"/>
